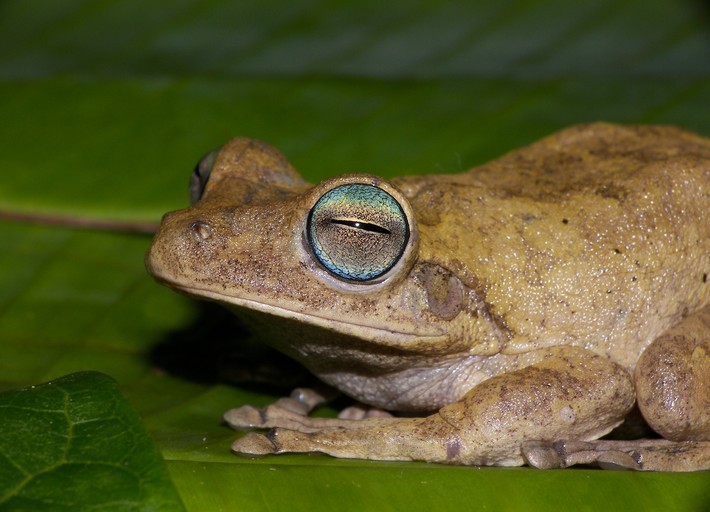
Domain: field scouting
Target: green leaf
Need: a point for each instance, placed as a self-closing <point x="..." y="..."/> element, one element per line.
<point x="107" y="106"/>
<point x="76" y="444"/>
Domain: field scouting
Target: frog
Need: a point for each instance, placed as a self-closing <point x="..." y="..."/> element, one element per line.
<point x="513" y="314"/>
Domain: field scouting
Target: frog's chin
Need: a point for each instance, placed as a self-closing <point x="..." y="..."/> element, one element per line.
<point x="384" y="335"/>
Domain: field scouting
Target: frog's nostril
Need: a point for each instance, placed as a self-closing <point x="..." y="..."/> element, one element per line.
<point x="201" y="230"/>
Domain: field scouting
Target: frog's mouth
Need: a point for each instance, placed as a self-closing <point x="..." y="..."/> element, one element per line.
<point x="421" y="340"/>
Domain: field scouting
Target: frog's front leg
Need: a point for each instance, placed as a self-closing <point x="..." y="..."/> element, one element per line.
<point x="568" y="393"/>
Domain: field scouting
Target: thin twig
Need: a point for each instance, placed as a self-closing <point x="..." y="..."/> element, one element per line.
<point x="71" y="221"/>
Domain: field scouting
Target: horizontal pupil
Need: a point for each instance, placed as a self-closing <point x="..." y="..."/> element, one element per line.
<point x="361" y="225"/>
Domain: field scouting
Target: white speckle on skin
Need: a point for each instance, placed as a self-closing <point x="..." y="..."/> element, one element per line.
<point x="567" y="414"/>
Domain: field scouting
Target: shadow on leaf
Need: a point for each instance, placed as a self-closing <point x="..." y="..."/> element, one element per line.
<point x="217" y="348"/>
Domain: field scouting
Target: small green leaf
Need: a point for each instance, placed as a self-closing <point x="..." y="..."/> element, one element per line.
<point x="75" y="443"/>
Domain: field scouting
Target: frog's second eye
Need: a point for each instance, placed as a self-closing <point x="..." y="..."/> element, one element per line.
<point x="201" y="175"/>
<point x="358" y="232"/>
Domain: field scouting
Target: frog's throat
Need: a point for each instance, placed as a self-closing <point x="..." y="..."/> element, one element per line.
<point x="429" y="335"/>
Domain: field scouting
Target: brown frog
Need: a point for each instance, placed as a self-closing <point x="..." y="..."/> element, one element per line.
<point x="511" y="314"/>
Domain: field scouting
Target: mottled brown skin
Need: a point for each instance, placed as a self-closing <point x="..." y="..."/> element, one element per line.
<point x="537" y="295"/>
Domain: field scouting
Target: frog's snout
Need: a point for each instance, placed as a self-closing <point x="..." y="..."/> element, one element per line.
<point x="179" y="236"/>
<point x="181" y="227"/>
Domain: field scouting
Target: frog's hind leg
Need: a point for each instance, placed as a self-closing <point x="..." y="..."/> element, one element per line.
<point x="672" y="380"/>
<point x="673" y="391"/>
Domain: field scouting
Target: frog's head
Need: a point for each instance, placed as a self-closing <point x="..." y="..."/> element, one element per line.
<point x="335" y="267"/>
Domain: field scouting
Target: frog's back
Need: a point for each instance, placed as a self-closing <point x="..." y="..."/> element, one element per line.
<point x="598" y="157"/>
<point x="597" y="236"/>
<point x="607" y="159"/>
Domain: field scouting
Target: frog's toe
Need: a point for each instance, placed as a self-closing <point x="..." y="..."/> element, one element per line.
<point x="249" y="417"/>
<point x="254" y="445"/>
<point x="361" y="412"/>
<point x="245" y="417"/>
<point x="618" y="460"/>
<point x="543" y="455"/>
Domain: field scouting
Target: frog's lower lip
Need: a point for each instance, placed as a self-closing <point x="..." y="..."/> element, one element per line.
<point x="401" y="339"/>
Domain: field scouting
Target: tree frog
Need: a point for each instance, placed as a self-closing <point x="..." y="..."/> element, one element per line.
<point x="512" y="314"/>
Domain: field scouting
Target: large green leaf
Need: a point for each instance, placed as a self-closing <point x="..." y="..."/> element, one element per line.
<point x="106" y="106"/>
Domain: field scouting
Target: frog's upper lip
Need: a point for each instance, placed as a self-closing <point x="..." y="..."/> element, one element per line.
<point x="371" y="332"/>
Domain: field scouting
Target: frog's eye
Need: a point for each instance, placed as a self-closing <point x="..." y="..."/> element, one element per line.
<point x="201" y="175"/>
<point x="357" y="231"/>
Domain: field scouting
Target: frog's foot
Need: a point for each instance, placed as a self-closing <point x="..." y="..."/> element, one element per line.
<point x="640" y="455"/>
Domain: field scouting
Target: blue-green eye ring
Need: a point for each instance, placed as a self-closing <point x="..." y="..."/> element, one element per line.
<point x="358" y="232"/>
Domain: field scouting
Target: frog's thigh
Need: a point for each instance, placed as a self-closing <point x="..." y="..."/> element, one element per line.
<point x="569" y="394"/>
<point x="672" y="380"/>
